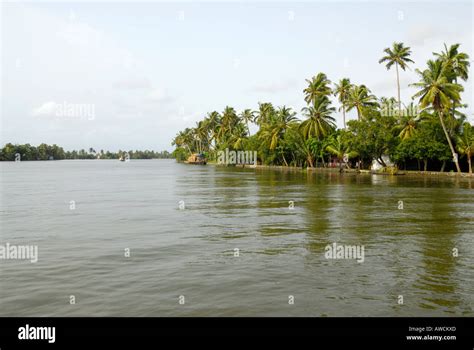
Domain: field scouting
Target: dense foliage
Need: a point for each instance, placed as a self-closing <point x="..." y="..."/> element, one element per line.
<point x="428" y="133"/>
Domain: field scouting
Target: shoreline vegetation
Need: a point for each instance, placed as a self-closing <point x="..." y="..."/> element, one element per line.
<point x="430" y="134"/>
<point x="27" y="152"/>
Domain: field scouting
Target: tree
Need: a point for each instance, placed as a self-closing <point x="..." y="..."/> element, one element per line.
<point x="248" y="116"/>
<point x="465" y="143"/>
<point x="360" y="98"/>
<point x="338" y="146"/>
<point x="318" y="86"/>
<point x="320" y="122"/>
<point x="456" y="65"/>
<point x="341" y="90"/>
<point x="398" y="55"/>
<point x="437" y="91"/>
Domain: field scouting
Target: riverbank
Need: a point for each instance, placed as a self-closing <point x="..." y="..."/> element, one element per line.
<point x="409" y="173"/>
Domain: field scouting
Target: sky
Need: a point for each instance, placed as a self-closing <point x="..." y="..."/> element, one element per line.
<point x="126" y="75"/>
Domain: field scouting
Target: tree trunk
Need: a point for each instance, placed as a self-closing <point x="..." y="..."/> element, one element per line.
<point x="453" y="152"/>
<point x="443" y="166"/>
<point x="398" y="89"/>
<point x="310" y="161"/>
<point x="425" y="161"/>
<point x="469" y="162"/>
<point x="344" y="115"/>
<point x="284" y="160"/>
<point x="419" y="165"/>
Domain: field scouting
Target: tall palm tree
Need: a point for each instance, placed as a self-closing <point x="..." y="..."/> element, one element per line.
<point x="456" y="64"/>
<point x="341" y="90"/>
<point x="360" y="97"/>
<point x="320" y="122"/>
<point x="436" y="91"/>
<point x="247" y="116"/>
<point x="465" y="143"/>
<point x="398" y="55"/>
<point x="265" y="113"/>
<point x="317" y="86"/>
<point x="214" y="119"/>
<point x="229" y="120"/>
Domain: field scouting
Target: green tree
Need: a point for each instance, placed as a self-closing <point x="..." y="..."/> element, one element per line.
<point x="341" y="91"/>
<point x="465" y="143"/>
<point x="437" y="91"/>
<point x="319" y="122"/>
<point x="398" y="55"/>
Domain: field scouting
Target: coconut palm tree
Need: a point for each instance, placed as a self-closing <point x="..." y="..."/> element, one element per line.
<point x="320" y="122"/>
<point x="436" y="91"/>
<point x="341" y="90"/>
<point x="265" y="113"/>
<point x="228" y="120"/>
<point x="398" y="55"/>
<point x="360" y="97"/>
<point x="247" y="116"/>
<point x="456" y="64"/>
<point x="239" y="135"/>
<point x="317" y="86"/>
<point x="337" y="147"/>
<point x="407" y="127"/>
<point x="465" y="143"/>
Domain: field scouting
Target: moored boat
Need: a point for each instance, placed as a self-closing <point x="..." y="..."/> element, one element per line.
<point x="197" y="158"/>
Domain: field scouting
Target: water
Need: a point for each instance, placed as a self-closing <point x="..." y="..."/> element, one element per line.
<point x="190" y="252"/>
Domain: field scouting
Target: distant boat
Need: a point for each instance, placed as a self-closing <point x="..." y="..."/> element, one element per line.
<point x="197" y="158"/>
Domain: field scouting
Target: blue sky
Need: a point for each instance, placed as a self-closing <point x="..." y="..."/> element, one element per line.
<point x="151" y="69"/>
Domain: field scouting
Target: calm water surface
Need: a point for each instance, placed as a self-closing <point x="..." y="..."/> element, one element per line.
<point x="190" y="252"/>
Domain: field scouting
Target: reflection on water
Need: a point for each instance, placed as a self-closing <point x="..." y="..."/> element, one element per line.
<point x="279" y="222"/>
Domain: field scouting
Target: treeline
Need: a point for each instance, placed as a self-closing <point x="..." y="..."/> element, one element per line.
<point x="429" y="133"/>
<point x="12" y="152"/>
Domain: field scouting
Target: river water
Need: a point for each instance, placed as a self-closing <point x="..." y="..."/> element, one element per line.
<point x="157" y="238"/>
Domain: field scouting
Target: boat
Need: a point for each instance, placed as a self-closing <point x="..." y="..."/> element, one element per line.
<point x="196" y="158"/>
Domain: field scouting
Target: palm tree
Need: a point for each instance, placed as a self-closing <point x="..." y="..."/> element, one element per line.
<point x="360" y="97"/>
<point x="456" y="64"/>
<point x="319" y="122"/>
<point x="229" y="120"/>
<point x="317" y="86"/>
<point x="239" y="135"/>
<point x="341" y="91"/>
<point x="437" y="91"/>
<point x="247" y="116"/>
<point x="398" y="55"/>
<point x="337" y="147"/>
<point x="214" y="119"/>
<point x="407" y="127"/>
<point x="265" y="113"/>
<point x="465" y="143"/>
